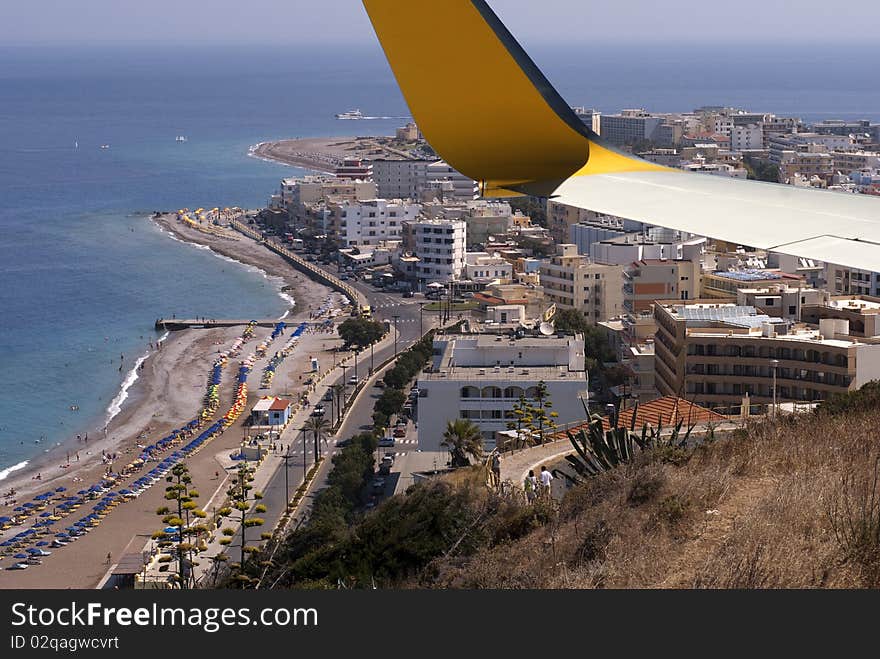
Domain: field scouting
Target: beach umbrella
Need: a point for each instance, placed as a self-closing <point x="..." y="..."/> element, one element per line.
<point x="61" y="489"/>
<point x="83" y="492"/>
<point x="33" y="550"/>
<point x="46" y="514"/>
<point x="42" y="543"/>
<point x="20" y="556"/>
<point x="19" y="509"/>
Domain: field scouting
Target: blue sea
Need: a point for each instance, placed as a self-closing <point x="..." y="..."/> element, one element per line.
<point x="83" y="274"/>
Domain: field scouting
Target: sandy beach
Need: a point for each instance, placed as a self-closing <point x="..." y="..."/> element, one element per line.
<point x="324" y="154"/>
<point x="168" y="393"/>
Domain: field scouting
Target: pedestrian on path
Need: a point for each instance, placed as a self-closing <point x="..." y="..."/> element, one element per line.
<point x="546" y="478"/>
<point x="496" y="467"/>
<point x="530" y="485"/>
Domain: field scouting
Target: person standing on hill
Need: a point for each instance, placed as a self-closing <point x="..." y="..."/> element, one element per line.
<point x="546" y="478"/>
<point x="530" y="485"/>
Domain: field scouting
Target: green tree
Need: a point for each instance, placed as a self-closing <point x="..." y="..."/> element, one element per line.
<point x="570" y="321"/>
<point x="463" y="439"/>
<point x="242" y="503"/>
<point x="187" y="536"/>
<point x="539" y="415"/>
<point x="761" y="170"/>
<point x="360" y="332"/>
<point x="338" y="393"/>
<point x="319" y="428"/>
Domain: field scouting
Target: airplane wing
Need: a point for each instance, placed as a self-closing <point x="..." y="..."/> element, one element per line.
<point x="487" y="109"/>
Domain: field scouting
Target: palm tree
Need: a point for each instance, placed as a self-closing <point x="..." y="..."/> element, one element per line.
<point x="463" y="439"/>
<point x="338" y="392"/>
<point x="319" y="427"/>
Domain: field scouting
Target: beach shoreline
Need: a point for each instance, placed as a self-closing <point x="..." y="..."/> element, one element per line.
<point x="168" y="393"/>
<point x="324" y="154"/>
<point x="119" y="428"/>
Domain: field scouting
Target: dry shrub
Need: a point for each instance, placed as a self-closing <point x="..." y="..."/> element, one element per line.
<point x="793" y="503"/>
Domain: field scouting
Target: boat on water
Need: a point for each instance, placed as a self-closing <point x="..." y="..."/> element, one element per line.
<point x="105" y="146"/>
<point x="351" y="114"/>
<point x="180" y="138"/>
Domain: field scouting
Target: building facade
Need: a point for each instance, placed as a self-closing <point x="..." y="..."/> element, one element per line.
<point x="440" y="246"/>
<point x="715" y="353"/>
<point x="481" y="377"/>
<point x="573" y="281"/>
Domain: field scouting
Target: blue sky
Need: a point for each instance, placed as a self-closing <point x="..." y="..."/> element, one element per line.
<point x="344" y="21"/>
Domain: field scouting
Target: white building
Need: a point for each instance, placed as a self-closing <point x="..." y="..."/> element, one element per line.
<point x="746" y="138"/>
<point x="660" y="244"/>
<point x="369" y="222"/>
<point x="409" y="179"/>
<point x="440" y="248"/>
<point x="484" y="268"/>
<point x="481" y="377"/>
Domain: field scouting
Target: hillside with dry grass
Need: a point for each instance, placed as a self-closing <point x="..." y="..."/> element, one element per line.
<point x="787" y="504"/>
<point x="791" y="503"/>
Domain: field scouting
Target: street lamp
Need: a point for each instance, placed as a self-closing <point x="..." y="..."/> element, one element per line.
<point x="775" y="363"/>
<point x="371" y="356"/>
<point x="421" y="319"/>
<point x="287" y="457"/>
<point x="395" y="317"/>
<point x="355" y="352"/>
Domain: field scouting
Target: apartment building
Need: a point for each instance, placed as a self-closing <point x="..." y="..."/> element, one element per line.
<point x="480" y="377"/>
<point x="353" y="223"/>
<point x="723" y="284"/>
<point x="573" y="281"/>
<point x="847" y="162"/>
<point x="410" y="179"/>
<point x="843" y="280"/>
<point x="716" y="352"/>
<point x="658" y="244"/>
<point x="748" y="137"/>
<point x="779" y="300"/>
<point x="862" y="312"/>
<point x="648" y="280"/>
<point x="484" y="268"/>
<point x="440" y="248"/>
<point x="632" y="126"/>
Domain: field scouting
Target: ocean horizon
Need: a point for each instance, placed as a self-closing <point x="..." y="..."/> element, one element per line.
<point x="84" y="272"/>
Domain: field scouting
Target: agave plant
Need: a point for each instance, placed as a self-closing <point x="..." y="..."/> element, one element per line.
<point x="598" y="450"/>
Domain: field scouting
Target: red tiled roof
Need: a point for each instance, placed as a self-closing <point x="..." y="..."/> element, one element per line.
<point x="666" y="411"/>
<point x="280" y="404"/>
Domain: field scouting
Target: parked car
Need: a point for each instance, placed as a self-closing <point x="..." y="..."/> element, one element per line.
<point x="387" y="441"/>
<point x="408" y="294"/>
<point x="400" y="431"/>
<point x="353" y="380"/>
<point x="343" y="442"/>
<point x="328" y="395"/>
<point x="379" y="383"/>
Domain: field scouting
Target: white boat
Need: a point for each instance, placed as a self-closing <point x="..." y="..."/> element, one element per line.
<point x="180" y="138"/>
<point x="105" y="146"/>
<point x="351" y="114"/>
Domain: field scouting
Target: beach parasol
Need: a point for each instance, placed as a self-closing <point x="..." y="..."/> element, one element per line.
<point x="20" y="556"/>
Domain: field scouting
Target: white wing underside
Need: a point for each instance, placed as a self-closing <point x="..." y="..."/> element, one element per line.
<point x="834" y="227"/>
